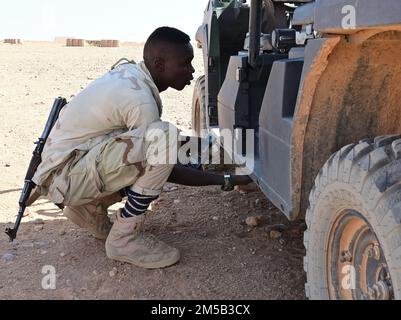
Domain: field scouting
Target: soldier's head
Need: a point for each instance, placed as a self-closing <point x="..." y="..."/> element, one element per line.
<point x="168" y="55"/>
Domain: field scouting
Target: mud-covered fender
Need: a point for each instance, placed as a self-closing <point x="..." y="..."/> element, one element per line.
<point x="348" y="92"/>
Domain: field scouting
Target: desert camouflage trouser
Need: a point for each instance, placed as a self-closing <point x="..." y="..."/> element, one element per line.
<point x="110" y="166"/>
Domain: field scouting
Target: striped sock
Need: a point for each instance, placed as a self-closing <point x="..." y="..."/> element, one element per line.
<point x="136" y="204"/>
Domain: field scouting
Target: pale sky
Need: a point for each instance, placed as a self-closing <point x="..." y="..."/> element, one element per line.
<point x="127" y="20"/>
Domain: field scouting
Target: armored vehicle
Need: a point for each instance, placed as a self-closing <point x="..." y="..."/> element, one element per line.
<point x="318" y="83"/>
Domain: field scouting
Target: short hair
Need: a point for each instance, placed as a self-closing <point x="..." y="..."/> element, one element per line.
<point x="165" y="34"/>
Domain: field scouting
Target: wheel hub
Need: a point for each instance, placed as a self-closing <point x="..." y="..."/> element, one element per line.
<point x="356" y="266"/>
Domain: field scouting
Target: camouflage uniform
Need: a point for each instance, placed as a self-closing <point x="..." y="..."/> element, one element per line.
<point x="96" y="147"/>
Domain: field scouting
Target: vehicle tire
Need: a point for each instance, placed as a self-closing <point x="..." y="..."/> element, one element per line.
<point x="199" y="111"/>
<point x="353" y="239"/>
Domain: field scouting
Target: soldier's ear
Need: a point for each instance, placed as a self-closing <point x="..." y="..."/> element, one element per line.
<point x="160" y="64"/>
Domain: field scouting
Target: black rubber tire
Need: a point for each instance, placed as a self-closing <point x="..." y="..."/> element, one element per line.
<point x="365" y="177"/>
<point x="199" y="111"/>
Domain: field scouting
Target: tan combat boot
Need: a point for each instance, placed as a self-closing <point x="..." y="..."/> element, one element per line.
<point x="93" y="216"/>
<point x="127" y="243"/>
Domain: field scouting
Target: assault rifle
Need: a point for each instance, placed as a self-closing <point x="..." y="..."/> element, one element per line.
<point x="36" y="159"/>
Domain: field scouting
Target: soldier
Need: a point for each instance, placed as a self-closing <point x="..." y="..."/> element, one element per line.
<point x="96" y="153"/>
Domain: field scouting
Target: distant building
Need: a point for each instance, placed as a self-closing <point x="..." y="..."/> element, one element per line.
<point x="13" y="41"/>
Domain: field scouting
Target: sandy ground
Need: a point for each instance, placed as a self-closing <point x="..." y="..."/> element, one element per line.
<point x="222" y="256"/>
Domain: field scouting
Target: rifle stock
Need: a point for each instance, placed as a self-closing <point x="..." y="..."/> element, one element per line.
<point x="36" y="159"/>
